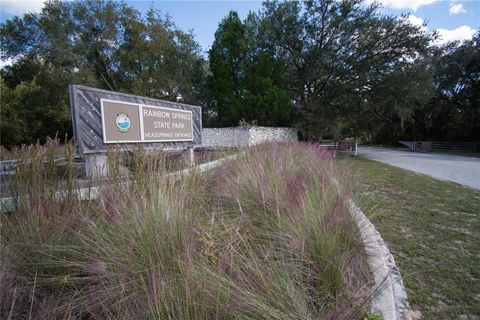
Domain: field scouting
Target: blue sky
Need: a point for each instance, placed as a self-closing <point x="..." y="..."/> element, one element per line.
<point x="454" y="20"/>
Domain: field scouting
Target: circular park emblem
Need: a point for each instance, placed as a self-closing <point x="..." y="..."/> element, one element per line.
<point x="123" y="122"/>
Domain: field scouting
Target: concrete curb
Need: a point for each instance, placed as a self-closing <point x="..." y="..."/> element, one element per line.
<point x="390" y="297"/>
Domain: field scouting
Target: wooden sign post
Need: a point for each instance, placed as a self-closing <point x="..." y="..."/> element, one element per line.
<point x="101" y="118"/>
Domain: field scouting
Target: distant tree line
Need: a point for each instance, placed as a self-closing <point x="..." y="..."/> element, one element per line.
<point x="330" y="68"/>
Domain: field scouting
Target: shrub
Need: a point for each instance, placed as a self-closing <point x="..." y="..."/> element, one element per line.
<point x="266" y="236"/>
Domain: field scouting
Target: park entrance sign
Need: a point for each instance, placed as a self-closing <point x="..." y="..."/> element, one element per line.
<point x="102" y="117"/>
<point x="128" y="122"/>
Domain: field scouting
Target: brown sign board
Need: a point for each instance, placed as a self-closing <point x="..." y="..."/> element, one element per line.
<point x="101" y="117"/>
<point x="125" y="122"/>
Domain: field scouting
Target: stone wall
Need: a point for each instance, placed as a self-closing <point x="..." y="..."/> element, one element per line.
<point x="241" y="137"/>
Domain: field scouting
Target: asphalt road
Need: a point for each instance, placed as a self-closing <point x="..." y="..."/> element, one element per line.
<point x="459" y="169"/>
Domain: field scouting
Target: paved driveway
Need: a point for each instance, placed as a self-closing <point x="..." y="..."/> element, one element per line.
<point x="459" y="169"/>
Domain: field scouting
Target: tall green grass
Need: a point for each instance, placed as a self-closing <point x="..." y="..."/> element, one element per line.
<point x="266" y="236"/>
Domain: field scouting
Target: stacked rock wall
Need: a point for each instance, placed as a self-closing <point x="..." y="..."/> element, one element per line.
<point x="241" y="137"/>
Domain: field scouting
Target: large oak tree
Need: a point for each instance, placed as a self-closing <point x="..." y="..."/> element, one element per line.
<point x="338" y="56"/>
<point x="106" y="44"/>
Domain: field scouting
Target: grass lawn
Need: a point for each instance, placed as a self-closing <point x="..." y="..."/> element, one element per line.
<point x="432" y="227"/>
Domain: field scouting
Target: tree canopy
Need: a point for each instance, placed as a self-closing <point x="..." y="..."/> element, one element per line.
<point x="340" y="56"/>
<point x="104" y="44"/>
<point x="330" y="68"/>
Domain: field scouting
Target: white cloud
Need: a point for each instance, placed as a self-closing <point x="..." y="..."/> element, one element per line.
<point x="404" y="4"/>
<point x="456" y="9"/>
<point x="7" y="62"/>
<point x="20" y="7"/>
<point x="416" y="21"/>
<point x="461" y="34"/>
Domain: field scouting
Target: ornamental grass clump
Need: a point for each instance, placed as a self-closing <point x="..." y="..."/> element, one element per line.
<point x="265" y="236"/>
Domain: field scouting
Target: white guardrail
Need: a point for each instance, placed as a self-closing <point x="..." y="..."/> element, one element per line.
<point x="8" y="204"/>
